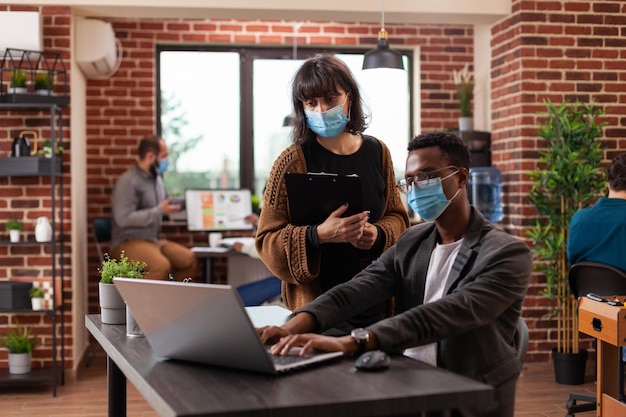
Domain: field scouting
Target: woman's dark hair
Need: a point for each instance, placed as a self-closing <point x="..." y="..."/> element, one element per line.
<point x="616" y="173"/>
<point x="317" y="77"/>
<point x="452" y="147"/>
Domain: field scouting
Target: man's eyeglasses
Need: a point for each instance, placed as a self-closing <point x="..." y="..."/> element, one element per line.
<point x="420" y="179"/>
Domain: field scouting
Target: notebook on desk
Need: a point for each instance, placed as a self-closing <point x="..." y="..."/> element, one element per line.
<point x="204" y="323"/>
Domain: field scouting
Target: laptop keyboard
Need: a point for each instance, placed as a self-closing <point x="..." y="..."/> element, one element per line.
<point x="288" y="360"/>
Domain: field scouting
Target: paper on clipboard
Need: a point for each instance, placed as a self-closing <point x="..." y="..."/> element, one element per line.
<point x="313" y="196"/>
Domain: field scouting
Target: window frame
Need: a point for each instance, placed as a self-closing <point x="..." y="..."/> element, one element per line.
<point x="247" y="56"/>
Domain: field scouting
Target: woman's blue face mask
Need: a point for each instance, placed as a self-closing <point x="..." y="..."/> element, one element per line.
<point x="327" y="124"/>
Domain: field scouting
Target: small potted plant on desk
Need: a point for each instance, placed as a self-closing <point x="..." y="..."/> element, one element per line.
<point x="37" y="295"/>
<point x="15" y="227"/>
<point x="21" y="344"/>
<point x="112" y="306"/>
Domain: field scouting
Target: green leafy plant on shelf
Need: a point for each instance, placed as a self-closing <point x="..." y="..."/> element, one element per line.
<point x="14" y="224"/>
<point x="36" y="292"/>
<point x="464" y="89"/>
<point x="124" y="268"/>
<point x="567" y="178"/>
<point x="43" y="81"/>
<point x="19" y="340"/>
<point x="18" y="79"/>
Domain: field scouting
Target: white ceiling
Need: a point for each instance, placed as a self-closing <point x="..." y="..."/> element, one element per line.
<point x="396" y="11"/>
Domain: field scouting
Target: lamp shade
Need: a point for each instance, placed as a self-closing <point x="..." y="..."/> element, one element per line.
<point x="383" y="57"/>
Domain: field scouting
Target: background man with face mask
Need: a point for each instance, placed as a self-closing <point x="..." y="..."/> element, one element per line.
<point x="458" y="281"/>
<point x="139" y="202"/>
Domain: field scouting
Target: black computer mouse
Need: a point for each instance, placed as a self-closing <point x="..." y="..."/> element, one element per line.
<point x="373" y="361"/>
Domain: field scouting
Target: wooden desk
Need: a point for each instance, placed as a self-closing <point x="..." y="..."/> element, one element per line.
<point x="336" y="389"/>
<point x="607" y="324"/>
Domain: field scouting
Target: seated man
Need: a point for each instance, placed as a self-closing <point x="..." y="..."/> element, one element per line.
<point x="598" y="233"/>
<point x="139" y="203"/>
<point x="459" y="284"/>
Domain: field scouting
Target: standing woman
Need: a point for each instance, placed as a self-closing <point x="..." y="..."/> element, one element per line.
<point x="327" y="137"/>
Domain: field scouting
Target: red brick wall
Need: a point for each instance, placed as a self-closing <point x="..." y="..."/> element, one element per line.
<point x="27" y="198"/>
<point x="556" y="51"/>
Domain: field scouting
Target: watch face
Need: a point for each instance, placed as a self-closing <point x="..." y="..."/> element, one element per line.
<point x="360" y="334"/>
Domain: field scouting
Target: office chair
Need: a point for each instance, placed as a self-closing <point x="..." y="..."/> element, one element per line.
<point x="598" y="278"/>
<point x="102" y="233"/>
<point x="521" y="339"/>
<point x="258" y="292"/>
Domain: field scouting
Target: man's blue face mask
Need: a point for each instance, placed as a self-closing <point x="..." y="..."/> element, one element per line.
<point x="163" y="165"/>
<point x="327" y="124"/>
<point x="429" y="201"/>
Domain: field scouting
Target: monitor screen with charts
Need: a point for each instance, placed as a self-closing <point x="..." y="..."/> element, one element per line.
<point x="215" y="210"/>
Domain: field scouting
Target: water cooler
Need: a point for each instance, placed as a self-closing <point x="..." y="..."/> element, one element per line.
<point x="484" y="192"/>
<point x="485" y="181"/>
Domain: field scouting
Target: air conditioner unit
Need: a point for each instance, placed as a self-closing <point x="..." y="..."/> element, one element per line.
<point x="98" y="51"/>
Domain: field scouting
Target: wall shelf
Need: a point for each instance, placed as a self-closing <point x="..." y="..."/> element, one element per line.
<point x="32" y="166"/>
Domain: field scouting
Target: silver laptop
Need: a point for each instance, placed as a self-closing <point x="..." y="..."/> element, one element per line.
<point x="204" y="323"/>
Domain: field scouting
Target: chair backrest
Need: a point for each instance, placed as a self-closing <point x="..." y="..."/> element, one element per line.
<point x="102" y="233"/>
<point x="598" y="278"/>
<point x="521" y="339"/>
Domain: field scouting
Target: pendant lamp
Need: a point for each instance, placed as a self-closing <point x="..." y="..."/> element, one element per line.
<point x="383" y="56"/>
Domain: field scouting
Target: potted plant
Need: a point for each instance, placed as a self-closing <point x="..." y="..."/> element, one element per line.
<point x="18" y="82"/>
<point x="37" y="295"/>
<point x="567" y="178"/>
<point x="465" y="92"/>
<point x="15" y="227"/>
<point x="112" y="306"/>
<point x="20" y="343"/>
<point x="43" y="84"/>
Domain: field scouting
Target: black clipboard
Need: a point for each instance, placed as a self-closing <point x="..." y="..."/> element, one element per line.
<point x="312" y="197"/>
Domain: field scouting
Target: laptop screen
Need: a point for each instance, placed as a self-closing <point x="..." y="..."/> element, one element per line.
<point x="215" y="210"/>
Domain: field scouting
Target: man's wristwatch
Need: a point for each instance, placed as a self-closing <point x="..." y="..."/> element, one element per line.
<point x="361" y="336"/>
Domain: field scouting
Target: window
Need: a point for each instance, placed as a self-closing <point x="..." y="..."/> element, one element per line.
<point x="222" y="112"/>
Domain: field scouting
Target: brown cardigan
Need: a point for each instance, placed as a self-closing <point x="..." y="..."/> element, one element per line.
<point x="283" y="246"/>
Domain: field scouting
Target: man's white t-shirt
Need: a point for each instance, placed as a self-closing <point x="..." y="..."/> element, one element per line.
<point x="439" y="267"/>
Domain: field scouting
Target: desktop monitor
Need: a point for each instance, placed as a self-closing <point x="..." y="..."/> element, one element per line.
<point x="216" y="210"/>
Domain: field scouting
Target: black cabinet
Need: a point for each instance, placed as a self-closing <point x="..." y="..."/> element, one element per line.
<point x="479" y="144"/>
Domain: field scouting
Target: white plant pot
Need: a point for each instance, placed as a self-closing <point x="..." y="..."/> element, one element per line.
<point x="112" y="306"/>
<point x="18" y="90"/>
<point x="43" y="230"/>
<point x="37" y="303"/>
<point x="466" y="124"/>
<point x="43" y="92"/>
<point x="14" y="236"/>
<point x="19" y="363"/>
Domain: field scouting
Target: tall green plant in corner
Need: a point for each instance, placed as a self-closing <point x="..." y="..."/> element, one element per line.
<point x="567" y="178"/>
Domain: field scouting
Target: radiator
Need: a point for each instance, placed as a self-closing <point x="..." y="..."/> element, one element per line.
<point x="244" y="269"/>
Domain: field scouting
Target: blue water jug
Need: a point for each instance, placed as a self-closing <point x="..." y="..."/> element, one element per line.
<point x="484" y="192"/>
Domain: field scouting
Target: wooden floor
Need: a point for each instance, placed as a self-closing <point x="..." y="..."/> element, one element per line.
<point x="85" y="395"/>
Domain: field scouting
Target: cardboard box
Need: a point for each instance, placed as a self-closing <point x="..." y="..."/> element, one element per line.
<point x="14" y="295"/>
